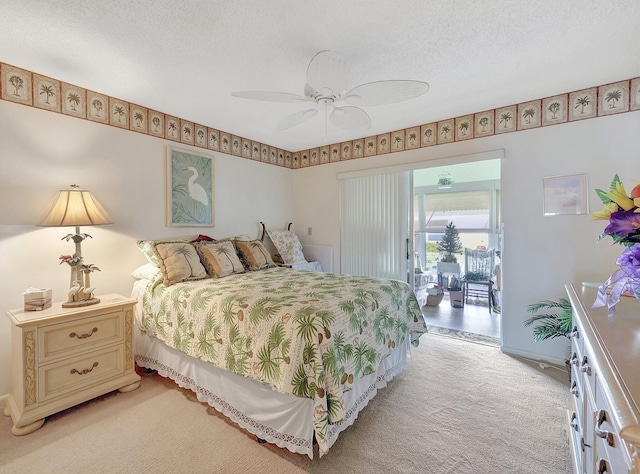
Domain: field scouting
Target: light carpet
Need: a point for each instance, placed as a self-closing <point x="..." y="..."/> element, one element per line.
<point x="467" y="336"/>
<point x="458" y="408"/>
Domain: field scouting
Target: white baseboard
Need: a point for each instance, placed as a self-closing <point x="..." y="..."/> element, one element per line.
<point x="532" y="356"/>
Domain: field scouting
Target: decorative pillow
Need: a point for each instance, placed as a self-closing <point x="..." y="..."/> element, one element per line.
<point x="202" y="238"/>
<point x="288" y="246"/>
<point x="219" y="258"/>
<point x="148" y="271"/>
<point x="235" y="238"/>
<point x="180" y="262"/>
<point x="148" y="247"/>
<point x="254" y="255"/>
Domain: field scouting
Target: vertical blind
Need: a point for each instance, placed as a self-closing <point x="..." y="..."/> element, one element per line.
<point x="374" y="225"/>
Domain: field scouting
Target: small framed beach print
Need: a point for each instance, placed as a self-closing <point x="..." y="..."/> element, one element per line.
<point x="565" y="195"/>
<point x="190" y="189"/>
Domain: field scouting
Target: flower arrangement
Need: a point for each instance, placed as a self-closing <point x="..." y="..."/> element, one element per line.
<point x="622" y="210"/>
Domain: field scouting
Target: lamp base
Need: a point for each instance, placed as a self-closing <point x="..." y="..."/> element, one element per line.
<point x="77" y="304"/>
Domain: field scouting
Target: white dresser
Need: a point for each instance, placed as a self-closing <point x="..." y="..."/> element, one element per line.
<point x="605" y="384"/>
<point x="65" y="356"/>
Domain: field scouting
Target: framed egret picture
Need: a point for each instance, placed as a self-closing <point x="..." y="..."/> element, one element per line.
<point x="190" y="189"/>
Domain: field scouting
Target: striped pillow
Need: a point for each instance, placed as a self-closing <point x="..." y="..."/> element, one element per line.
<point x="254" y="255"/>
<point x="219" y="258"/>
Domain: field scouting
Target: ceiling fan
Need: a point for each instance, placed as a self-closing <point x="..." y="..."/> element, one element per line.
<point x="327" y="81"/>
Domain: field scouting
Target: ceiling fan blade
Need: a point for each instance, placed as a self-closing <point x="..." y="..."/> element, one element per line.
<point x="328" y="73"/>
<point x="296" y="119"/>
<point x="270" y="96"/>
<point x="309" y="92"/>
<point x="350" y="118"/>
<point x="385" y="92"/>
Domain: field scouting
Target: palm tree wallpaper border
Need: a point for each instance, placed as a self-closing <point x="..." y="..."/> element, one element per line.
<point x="28" y="88"/>
<point x="190" y="189"/>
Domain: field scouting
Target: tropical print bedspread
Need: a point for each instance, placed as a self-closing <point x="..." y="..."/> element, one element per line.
<point x="304" y="333"/>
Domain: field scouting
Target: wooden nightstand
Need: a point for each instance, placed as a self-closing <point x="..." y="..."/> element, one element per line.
<point x="66" y="356"/>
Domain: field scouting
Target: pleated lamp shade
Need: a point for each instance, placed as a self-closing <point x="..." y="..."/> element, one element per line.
<point x="75" y="207"/>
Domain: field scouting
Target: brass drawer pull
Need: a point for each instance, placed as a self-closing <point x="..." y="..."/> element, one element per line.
<point x="574" y="359"/>
<point x="83" y="336"/>
<point x="574" y="422"/>
<point x="84" y="371"/>
<point x="585" y="367"/>
<point x="602" y="466"/>
<point x="574" y="388"/>
<point x="604" y="434"/>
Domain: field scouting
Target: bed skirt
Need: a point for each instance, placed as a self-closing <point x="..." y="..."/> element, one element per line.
<point x="281" y="419"/>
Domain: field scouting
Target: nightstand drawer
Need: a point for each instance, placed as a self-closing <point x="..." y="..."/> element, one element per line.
<point x="66" y="339"/>
<point x="73" y="374"/>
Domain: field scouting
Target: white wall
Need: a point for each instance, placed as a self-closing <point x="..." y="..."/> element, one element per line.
<point x="541" y="254"/>
<point x="42" y="152"/>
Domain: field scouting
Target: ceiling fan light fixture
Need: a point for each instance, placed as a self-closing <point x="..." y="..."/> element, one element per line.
<point x="326" y="92"/>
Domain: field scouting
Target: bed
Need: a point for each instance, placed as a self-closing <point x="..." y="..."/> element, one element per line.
<point x="291" y="356"/>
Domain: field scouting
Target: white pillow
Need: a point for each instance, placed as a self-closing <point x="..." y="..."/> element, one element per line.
<point x="288" y="246"/>
<point x="148" y="271"/>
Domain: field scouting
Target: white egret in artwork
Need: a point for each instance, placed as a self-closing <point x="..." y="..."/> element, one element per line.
<point x="196" y="191"/>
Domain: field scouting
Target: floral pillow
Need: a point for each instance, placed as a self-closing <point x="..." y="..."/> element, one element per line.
<point x="179" y="262"/>
<point x="219" y="258"/>
<point x="254" y="255"/>
<point x="288" y="246"/>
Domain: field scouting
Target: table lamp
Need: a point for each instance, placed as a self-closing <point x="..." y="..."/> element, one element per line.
<point x="76" y="207"/>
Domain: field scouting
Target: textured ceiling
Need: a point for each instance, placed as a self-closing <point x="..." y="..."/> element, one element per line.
<point x="185" y="58"/>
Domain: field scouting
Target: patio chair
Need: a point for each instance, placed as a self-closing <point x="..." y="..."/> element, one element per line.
<point x="478" y="279"/>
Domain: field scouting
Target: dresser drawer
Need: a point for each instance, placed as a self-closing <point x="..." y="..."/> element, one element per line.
<point x="76" y="373"/>
<point x="80" y="335"/>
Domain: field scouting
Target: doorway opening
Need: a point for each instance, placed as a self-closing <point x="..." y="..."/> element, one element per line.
<point x="466" y="195"/>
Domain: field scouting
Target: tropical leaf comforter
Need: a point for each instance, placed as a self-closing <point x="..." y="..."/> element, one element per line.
<point x="304" y="333"/>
